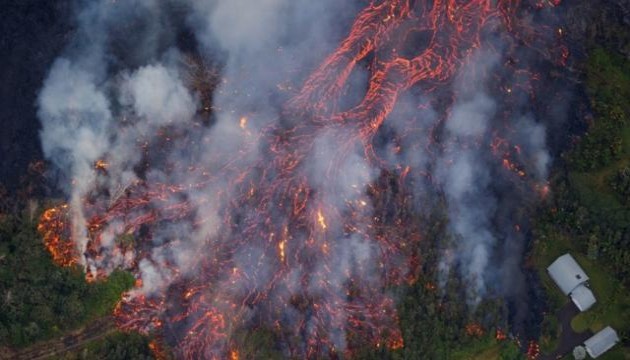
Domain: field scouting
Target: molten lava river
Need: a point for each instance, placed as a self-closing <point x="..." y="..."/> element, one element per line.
<point x="308" y="248"/>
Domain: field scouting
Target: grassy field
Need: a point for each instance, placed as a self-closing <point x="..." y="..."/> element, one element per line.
<point x="488" y="348"/>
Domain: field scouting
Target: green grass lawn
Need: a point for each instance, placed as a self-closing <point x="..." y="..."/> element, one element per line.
<point x="491" y="353"/>
<point x="488" y="348"/>
<point x="613" y="301"/>
<point x="478" y="347"/>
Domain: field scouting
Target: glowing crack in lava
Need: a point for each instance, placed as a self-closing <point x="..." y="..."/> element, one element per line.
<point x="282" y="251"/>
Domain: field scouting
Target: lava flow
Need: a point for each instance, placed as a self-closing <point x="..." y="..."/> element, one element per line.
<point x="283" y="253"/>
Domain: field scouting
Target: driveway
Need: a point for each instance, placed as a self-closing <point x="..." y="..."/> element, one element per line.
<point x="569" y="339"/>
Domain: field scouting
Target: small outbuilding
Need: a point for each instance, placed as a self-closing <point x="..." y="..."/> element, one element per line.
<point x="583" y="297"/>
<point x="601" y="342"/>
<point x="571" y="279"/>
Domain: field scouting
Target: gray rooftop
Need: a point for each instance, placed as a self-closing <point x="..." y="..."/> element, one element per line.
<point x="583" y="297"/>
<point x="567" y="273"/>
<point x="601" y="342"/>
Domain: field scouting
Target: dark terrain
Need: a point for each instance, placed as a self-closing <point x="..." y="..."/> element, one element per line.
<point x="33" y="33"/>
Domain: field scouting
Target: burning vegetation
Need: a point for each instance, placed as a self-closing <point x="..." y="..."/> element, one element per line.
<point x="53" y="226"/>
<point x="305" y="224"/>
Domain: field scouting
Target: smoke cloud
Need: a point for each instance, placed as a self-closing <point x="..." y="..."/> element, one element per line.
<point x="123" y="122"/>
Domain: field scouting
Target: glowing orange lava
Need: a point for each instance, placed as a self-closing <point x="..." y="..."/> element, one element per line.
<point x="277" y="217"/>
<point x="53" y="227"/>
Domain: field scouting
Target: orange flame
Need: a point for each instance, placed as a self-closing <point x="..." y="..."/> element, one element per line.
<point x="321" y="220"/>
<point x="101" y="165"/>
<point x="474" y="330"/>
<point x="52" y="226"/>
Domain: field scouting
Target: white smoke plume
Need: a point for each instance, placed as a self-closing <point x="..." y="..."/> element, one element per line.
<point x="466" y="173"/>
<point x="103" y="101"/>
<point x="76" y="123"/>
<point x="120" y="93"/>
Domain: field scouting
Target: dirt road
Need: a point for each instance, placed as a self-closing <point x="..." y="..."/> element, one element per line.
<point x="93" y="331"/>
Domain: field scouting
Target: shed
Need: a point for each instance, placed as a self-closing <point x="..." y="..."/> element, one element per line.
<point x="583" y="297"/>
<point x="567" y="273"/>
<point x="601" y="342"/>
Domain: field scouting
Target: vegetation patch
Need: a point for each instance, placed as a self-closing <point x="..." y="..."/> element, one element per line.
<point x="41" y="300"/>
<point x="118" y="346"/>
<point x="589" y="216"/>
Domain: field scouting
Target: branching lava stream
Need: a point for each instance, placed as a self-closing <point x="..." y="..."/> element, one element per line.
<point x="300" y="279"/>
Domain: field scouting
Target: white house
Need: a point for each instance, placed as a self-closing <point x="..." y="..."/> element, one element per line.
<point x="571" y="279"/>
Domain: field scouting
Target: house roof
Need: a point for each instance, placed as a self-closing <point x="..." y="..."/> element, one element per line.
<point x="567" y="273"/>
<point x="601" y="342"/>
<point x="583" y="297"/>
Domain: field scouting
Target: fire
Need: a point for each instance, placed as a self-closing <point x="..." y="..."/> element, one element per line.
<point x="281" y="246"/>
<point x="533" y="350"/>
<point x="513" y="167"/>
<point x="101" y="165"/>
<point x="543" y="190"/>
<point x="53" y="226"/>
<point x="474" y="330"/>
<point x="396" y="344"/>
<point x="241" y="269"/>
<point x="321" y="220"/>
<point x="158" y="350"/>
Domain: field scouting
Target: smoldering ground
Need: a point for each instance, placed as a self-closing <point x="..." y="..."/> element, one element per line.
<point x="119" y="93"/>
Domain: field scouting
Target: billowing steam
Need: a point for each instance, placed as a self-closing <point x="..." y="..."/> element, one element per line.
<point x="255" y="199"/>
<point x="466" y="172"/>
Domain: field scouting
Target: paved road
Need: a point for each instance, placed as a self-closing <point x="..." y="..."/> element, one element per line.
<point x="569" y="339"/>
